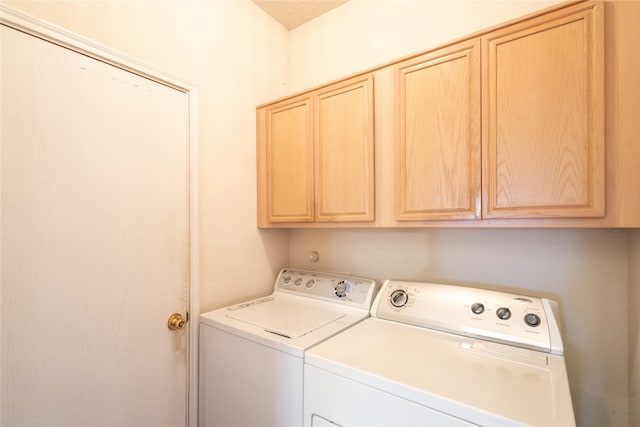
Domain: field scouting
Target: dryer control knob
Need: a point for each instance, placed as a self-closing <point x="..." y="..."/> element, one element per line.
<point x="503" y="313"/>
<point x="532" y="320"/>
<point x="477" y="308"/>
<point x="399" y="298"/>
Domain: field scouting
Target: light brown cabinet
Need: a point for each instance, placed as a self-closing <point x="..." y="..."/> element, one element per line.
<point x="288" y="160"/>
<point x="316" y="156"/>
<point x="438" y="134"/>
<point x="503" y="128"/>
<point x="543" y="116"/>
<point x="542" y="123"/>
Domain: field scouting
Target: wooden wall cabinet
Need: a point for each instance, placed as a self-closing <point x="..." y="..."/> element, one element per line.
<point x="288" y="160"/>
<point x="316" y="156"/>
<point x="543" y="116"/>
<point x="503" y="128"/>
<point x="438" y="134"/>
<point x="542" y="123"/>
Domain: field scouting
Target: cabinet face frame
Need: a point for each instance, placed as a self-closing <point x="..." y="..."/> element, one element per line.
<point x="438" y="138"/>
<point x="344" y="151"/>
<point x="288" y="161"/>
<point x="573" y="181"/>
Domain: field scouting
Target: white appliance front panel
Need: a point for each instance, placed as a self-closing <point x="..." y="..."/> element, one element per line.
<point x="243" y="383"/>
<point x="336" y="401"/>
<point x="478" y="381"/>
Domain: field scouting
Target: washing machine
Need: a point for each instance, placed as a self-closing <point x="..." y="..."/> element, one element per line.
<point x="252" y="354"/>
<point x="442" y="355"/>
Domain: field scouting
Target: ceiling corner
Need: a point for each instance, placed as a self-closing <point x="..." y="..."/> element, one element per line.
<point x="293" y="13"/>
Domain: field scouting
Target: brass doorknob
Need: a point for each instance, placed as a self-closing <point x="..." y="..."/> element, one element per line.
<point x="176" y="322"/>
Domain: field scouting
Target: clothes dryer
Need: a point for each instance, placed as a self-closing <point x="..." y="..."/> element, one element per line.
<point x="252" y="354"/>
<point x="442" y="355"/>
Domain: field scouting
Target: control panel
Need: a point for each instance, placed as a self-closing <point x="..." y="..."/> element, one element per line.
<point x="344" y="289"/>
<point x="518" y="320"/>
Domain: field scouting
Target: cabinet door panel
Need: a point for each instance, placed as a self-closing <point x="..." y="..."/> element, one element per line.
<point x="289" y="150"/>
<point x="344" y="152"/>
<point x="438" y="140"/>
<point x="545" y="143"/>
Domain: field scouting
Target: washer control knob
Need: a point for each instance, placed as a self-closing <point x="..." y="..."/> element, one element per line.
<point x="532" y="320"/>
<point x="342" y="288"/>
<point x="503" y="313"/>
<point x="399" y="298"/>
<point x="477" y="308"/>
<point x="298" y="281"/>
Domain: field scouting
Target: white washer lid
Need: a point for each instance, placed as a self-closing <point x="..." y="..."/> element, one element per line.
<point x="286" y="318"/>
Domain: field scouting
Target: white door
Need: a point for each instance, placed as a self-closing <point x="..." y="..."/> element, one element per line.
<point x="94" y="241"/>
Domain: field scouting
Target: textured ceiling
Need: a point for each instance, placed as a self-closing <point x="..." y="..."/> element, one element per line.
<point x="291" y="13"/>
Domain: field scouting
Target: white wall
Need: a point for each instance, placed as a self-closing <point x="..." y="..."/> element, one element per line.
<point x="634" y="327"/>
<point x="235" y="54"/>
<point x="585" y="270"/>
<point x="366" y="33"/>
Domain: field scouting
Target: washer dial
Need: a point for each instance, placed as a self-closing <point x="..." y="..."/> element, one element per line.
<point x="342" y="288"/>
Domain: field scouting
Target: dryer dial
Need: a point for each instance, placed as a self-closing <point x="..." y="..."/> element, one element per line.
<point x="503" y="313"/>
<point x="399" y="298"/>
<point x="532" y="319"/>
<point x="477" y="308"/>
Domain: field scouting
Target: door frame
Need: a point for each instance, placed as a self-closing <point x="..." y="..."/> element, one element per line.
<point x="46" y="31"/>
